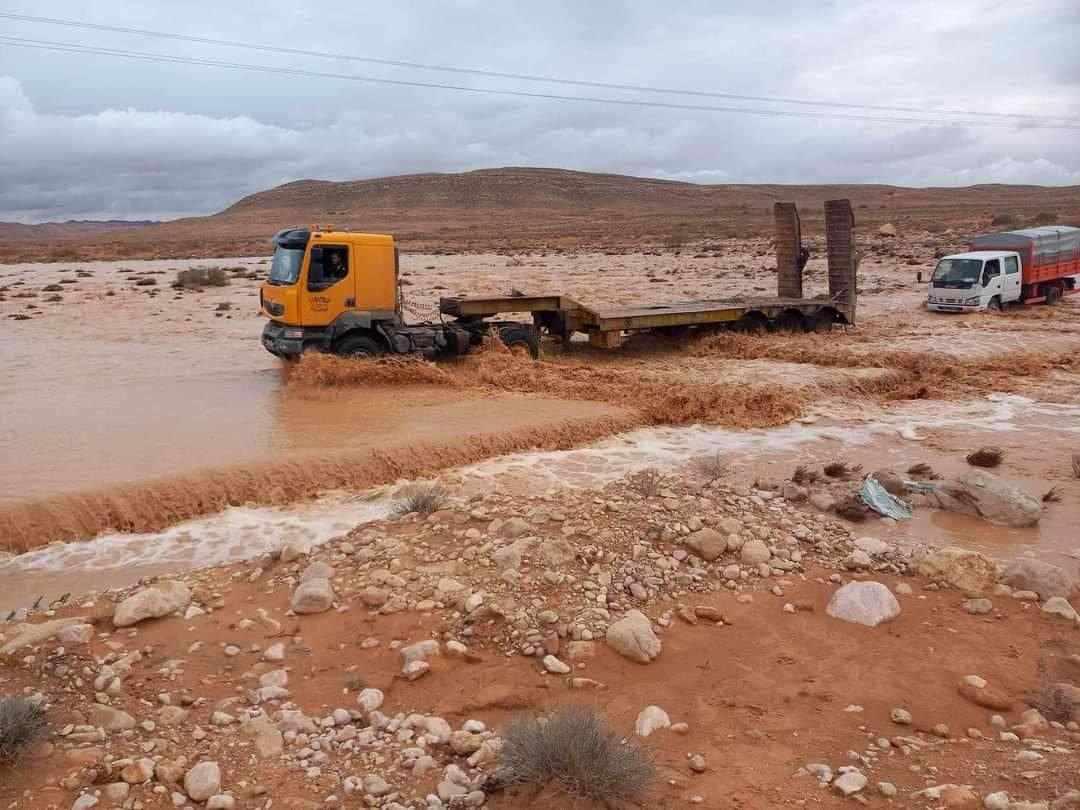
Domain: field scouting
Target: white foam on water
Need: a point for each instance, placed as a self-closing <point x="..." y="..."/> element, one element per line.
<point x="237" y="534"/>
<point x="241" y="533"/>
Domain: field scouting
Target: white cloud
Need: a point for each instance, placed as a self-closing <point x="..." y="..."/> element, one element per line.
<point x="90" y="137"/>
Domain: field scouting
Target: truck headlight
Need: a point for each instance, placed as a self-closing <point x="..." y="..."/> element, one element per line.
<point x="293" y="334"/>
<point x="971" y="301"/>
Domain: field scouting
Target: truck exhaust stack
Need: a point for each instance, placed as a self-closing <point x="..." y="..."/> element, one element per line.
<point x="843" y="261"/>
<point x="788" y="246"/>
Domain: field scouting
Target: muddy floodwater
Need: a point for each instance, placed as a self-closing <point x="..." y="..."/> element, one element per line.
<point x="116" y="380"/>
<point x="131" y="389"/>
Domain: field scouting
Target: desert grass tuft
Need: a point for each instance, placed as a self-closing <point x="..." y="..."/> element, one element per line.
<point x="576" y="751"/>
<point x="421" y="499"/>
<point x="22" y="723"/>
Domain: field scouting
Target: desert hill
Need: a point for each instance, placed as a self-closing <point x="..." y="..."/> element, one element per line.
<point x="523" y="208"/>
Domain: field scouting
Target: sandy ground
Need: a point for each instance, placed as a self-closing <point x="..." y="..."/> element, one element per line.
<point x="765" y="693"/>
<point x="155" y="418"/>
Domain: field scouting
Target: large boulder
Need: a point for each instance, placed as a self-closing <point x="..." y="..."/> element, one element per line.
<point x="866" y="603"/>
<point x="632" y="636"/>
<point x="982" y="494"/>
<point x="707" y="544"/>
<point x="152" y="603"/>
<point x="1045" y="579"/>
<point x="965" y="570"/>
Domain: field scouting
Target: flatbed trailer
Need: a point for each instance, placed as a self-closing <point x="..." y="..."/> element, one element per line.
<point x="562" y="316"/>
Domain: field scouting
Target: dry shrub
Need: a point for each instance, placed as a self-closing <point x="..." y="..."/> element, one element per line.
<point x="22" y="723"/>
<point x="1053" y="495"/>
<point x="713" y="467"/>
<point x="422" y="499"/>
<point x="646" y="483"/>
<point x="195" y="278"/>
<point x="576" y="751"/>
<point x="1048" y="697"/>
<point x="922" y="470"/>
<point x="986" y="457"/>
<point x="804" y="475"/>
<point x="1076" y="465"/>
<point x="839" y="468"/>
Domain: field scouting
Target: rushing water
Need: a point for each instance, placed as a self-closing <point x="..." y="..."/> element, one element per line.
<point x="242" y="533"/>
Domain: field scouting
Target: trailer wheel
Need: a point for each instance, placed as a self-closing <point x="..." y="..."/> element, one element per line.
<point x="521" y="339"/>
<point x="789" y="323"/>
<point x="357" y="346"/>
<point x="821" y="323"/>
<point x="753" y="323"/>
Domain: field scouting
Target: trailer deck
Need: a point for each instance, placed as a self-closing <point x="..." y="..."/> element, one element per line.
<point x="563" y="316"/>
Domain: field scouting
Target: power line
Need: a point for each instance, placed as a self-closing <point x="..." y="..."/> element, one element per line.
<point x="525" y="76"/>
<point x="164" y="58"/>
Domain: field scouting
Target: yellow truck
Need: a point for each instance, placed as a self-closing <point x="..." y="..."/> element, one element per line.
<point x="338" y="291"/>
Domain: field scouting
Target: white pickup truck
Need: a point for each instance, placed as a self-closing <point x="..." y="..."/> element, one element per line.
<point x="969" y="282"/>
<point x="1030" y="266"/>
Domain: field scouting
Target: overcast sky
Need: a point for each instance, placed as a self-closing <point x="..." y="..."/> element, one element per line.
<point x="94" y="136"/>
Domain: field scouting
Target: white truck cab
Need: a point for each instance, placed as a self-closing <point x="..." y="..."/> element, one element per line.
<point x="969" y="282"/>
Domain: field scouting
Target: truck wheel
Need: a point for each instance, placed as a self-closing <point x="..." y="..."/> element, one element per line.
<point x="994" y="304"/>
<point x="1053" y="295"/>
<point x="821" y="323"/>
<point x="357" y="346"/>
<point x="521" y="339"/>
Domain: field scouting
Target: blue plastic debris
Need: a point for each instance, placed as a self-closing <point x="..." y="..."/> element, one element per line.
<point x="883" y="502"/>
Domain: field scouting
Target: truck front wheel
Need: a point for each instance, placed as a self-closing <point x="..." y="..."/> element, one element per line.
<point x="521" y="339"/>
<point x="1053" y="295"/>
<point x="357" y="346"/>
<point x="994" y="304"/>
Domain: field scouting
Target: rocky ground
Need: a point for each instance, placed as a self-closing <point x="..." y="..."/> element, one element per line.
<point x="765" y="653"/>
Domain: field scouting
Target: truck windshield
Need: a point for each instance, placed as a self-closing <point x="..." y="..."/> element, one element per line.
<point x="960" y="274"/>
<point x="285" y="269"/>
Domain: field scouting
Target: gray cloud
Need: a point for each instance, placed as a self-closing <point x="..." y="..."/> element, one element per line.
<point x="90" y="136"/>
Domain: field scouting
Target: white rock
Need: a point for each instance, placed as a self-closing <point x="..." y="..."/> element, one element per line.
<point x="866" y="603"/>
<point x="313" y="596"/>
<point x="152" y="603"/>
<point x="652" y="718"/>
<point x="1059" y="606"/>
<point x="415" y="669"/>
<point x="370" y="699"/>
<point x="203" y="781"/>
<point x="554" y="665"/>
<point x="997" y="801"/>
<point x="849" y="782"/>
<point x="755" y="551"/>
<point x="84" y="802"/>
<point x="633" y="637"/>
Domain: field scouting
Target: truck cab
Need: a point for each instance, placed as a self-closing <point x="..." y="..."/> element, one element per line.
<point x="974" y="281"/>
<point x="330" y="290"/>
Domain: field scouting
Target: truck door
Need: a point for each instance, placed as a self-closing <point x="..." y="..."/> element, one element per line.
<point x="991" y="280"/>
<point x="329" y="286"/>
<point x="1010" y="287"/>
